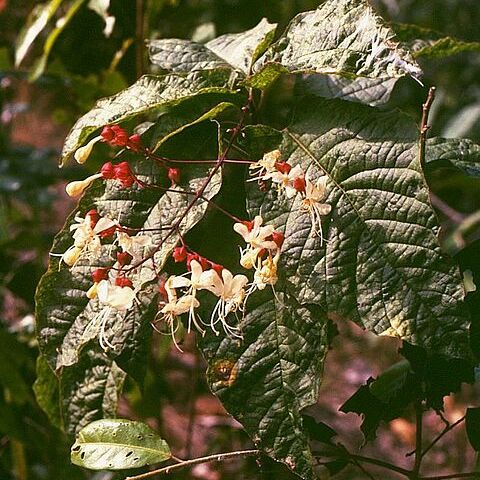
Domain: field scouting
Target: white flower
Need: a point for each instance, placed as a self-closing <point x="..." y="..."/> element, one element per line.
<point x="256" y="236"/>
<point x="267" y="273"/>
<point x="118" y="298"/>
<point x="314" y="194"/>
<point x="82" y="154"/>
<point x="264" y="166"/>
<point x="285" y="181"/>
<point x="75" y="189"/>
<point x="249" y="257"/>
<point x="199" y="280"/>
<point x="231" y="292"/>
<point x="134" y="245"/>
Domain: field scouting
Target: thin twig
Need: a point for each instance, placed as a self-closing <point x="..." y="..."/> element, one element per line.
<point x="380" y="463"/>
<point x="454" y="475"/>
<point x="424" y="124"/>
<point x="418" y="439"/>
<point x="441" y="434"/>
<point x="363" y="469"/>
<point x="219" y="457"/>
<point x="454" y="216"/>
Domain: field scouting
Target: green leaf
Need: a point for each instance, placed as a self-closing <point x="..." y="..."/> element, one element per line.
<point x="380" y="263"/>
<point x="427" y="43"/>
<point x="117" y="444"/>
<point x="238" y="51"/>
<point x="62" y="23"/>
<point x="36" y="22"/>
<point x="460" y="153"/>
<point x="272" y="374"/>
<point x="472" y="422"/>
<point x="149" y="94"/>
<point x="342" y="37"/>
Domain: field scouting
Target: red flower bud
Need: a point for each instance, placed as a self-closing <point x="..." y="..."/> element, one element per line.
<point x="124" y="258"/>
<point x="162" y="290"/>
<point x="179" y="254"/>
<point x="299" y="184"/>
<point x="278" y="238"/>
<point x="123" y="282"/>
<point x="174" y="175"/>
<point x="108" y="170"/>
<point x="283" y="167"/>
<point x="107" y="133"/>
<point x="100" y="274"/>
<point x="124" y="174"/>
<point x="94" y="217"/>
<point x="108" y="232"/>
<point x="135" y="142"/>
<point x="262" y="253"/>
<point x="121" y="136"/>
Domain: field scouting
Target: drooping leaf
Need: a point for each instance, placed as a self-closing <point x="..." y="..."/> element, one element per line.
<point x="62" y="23"/>
<point x="36" y="22"/>
<point x="266" y="379"/>
<point x="380" y="263"/>
<point x="237" y="51"/>
<point x="117" y="444"/>
<point x="341" y="37"/>
<point x="460" y="153"/>
<point x="150" y="93"/>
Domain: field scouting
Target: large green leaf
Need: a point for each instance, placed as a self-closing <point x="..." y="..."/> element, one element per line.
<point x="237" y="51"/>
<point x="117" y="444"/>
<point x="461" y="153"/>
<point x="343" y="37"/>
<point x="149" y="94"/>
<point x="380" y="264"/>
<point x="272" y="374"/>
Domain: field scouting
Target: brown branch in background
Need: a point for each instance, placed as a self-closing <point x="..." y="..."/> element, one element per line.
<point x="424" y="127"/>
<point x="139" y="37"/>
<point x="220" y="457"/>
<point x="418" y="439"/>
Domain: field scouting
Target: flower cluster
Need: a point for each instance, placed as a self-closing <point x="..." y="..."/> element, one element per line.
<point x="114" y="135"/>
<point x="292" y="181"/>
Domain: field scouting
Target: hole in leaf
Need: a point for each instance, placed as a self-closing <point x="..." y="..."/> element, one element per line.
<point x="136" y="459"/>
<point x="140" y="437"/>
<point x="76" y="448"/>
<point x="82" y="455"/>
<point x="129" y="453"/>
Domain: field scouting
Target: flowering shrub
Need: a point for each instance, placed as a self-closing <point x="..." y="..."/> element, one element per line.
<point x="338" y="223"/>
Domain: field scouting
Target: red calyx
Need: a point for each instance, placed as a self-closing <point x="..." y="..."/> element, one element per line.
<point x="174" y="175"/>
<point x="100" y="274"/>
<point x="121" y="136"/>
<point x="218" y="268"/>
<point x="162" y="290"/>
<point x="108" y="171"/>
<point x="190" y="257"/>
<point x="108" y="232"/>
<point x="283" y="167"/>
<point x="107" y="133"/>
<point x="124" y="258"/>
<point x="135" y="142"/>
<point x="249" y="224"/>
<point x="299" y="184"/>
<point x="124" y="174"/>
<point x="94" y="217"/>
<point x="179" y="254"/>
<point x="123" y="282"/>
<point x="278" y="238"/>
<point x="262" y="253"/>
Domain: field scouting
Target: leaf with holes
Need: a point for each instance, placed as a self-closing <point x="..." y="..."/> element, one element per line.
<point x="117" y="444"/>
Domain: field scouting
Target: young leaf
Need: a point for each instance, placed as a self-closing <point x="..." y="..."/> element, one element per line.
<point x="272" y="374"/>
<point x="380" y="263"/>
<point x="117" y="444"/>
<point x="148" y="94"/>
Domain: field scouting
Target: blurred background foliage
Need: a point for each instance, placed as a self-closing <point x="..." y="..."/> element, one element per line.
<point x="91" y="48"/>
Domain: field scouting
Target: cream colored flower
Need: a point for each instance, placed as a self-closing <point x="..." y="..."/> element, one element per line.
<point x="82" y="153"/>
<point x="285" y="181"/>
<point x="256" y="235"/>
<point x="264" y="166"/>
<point x="75" y="189"/>
<point x="314" y="194"/>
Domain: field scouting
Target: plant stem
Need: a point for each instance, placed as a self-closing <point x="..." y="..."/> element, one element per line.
<point x="424" y="125"/>
<point x="453" y="475"/>
<point x="418" y="439"/>
<point x="139" y="36"/>
<point x="219" y="457"/>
